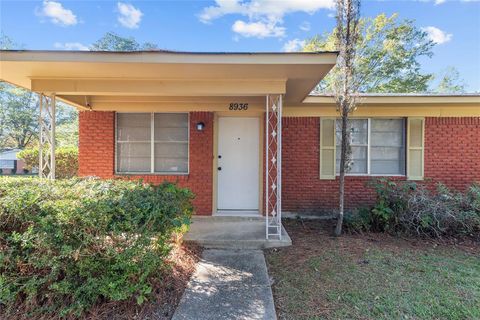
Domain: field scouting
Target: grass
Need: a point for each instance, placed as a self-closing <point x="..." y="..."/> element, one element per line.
<point x="373" y="277"/>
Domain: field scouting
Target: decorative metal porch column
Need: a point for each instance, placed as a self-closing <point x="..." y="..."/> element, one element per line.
<point x="46" y="149"/>
<point x="273" y="166"/>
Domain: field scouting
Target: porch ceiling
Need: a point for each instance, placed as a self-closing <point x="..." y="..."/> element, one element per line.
<point x="85" y="77"/>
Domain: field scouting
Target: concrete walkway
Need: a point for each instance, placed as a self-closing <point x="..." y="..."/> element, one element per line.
<point x="228" y="284"/>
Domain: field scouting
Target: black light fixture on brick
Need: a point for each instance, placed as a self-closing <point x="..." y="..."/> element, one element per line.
<point x="200" y="126"/>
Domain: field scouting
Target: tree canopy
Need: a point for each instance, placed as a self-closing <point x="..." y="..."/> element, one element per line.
<point x="19" y="114"/>
<point x="388" y="60"/>
<point x="7" y="43"/>
<point x="450" y="82"/>
<point x="113" y="42"/>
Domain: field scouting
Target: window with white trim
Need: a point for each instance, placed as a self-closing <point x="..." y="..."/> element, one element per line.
<point x="377" y="146"/>
<point x="152" y="143"/>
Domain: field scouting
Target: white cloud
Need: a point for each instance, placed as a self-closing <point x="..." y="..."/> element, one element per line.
<point x="70" y="46"/>
<point x="263" y="8"/>
<point x="293" y="45"/>
<point x="258" y="29"/>
<point x="57" y="13"/>
<point x="437" y="2"/>
<point x="262" y="14"/>
<point x="130" y="16"/>
<point x="436" y="35"/>
<point x="305" y="26"/>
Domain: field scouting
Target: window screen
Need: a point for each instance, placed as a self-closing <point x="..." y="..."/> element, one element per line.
<point x="378" y="146"/>
<point x="171" y="142"/>
<point x="167" y="152"/>
<point x="359" y="144"/>
<point x="387" y="146"/>
<point x="133" y="142"/>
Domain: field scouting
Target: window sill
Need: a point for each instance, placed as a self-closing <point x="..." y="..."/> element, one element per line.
<point x="374" y="175"/>
<point x="152" y="174"/>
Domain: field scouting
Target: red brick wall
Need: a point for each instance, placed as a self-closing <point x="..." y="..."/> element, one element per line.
<point x="97" y="151"/>
<point x="96" y="144"/>
<point x="452" y="156"/>
<point x="452" y="151"/>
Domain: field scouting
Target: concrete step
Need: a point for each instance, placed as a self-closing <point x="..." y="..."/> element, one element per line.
<point x="233" y="233"/>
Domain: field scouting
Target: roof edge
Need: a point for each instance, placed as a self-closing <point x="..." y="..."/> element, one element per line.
<point x="176" y="52"/>
<point x="395" y="98"/>
<point x="267" y="58"/>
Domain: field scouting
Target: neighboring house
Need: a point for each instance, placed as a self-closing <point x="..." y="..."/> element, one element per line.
<point x="200" y="119"/>
<point x="9" y="163"/>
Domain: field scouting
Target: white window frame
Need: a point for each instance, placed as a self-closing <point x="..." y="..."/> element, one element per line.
<point x="152" y="147"/>
<point x="369" y="128"/>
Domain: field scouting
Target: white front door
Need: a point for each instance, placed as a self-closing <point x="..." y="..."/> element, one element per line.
<point x="238" y="163"/>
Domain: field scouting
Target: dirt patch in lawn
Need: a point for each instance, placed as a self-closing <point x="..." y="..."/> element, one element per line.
<point x="373" y="276"/>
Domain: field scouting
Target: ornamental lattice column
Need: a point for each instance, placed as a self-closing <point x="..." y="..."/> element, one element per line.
<point x="46" y="148"/>
<point x="273" y="166"/>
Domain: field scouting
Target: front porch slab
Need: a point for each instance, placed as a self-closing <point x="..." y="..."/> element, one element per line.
<point x="233" y="233"/>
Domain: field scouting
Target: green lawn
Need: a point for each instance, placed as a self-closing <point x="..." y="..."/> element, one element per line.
<point x="372" y="277"/>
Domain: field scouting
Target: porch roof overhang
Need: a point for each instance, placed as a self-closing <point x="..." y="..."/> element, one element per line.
<point x="392" y="104"/>
<point x="83" y="77"/>
<point x="412" y="99"/>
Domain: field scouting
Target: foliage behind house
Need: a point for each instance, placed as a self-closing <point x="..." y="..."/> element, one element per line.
<point x="389" y="59"/>
<point x="66" y="159"/>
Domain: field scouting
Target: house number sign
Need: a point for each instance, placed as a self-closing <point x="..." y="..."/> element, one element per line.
<point x="234" y="106"/>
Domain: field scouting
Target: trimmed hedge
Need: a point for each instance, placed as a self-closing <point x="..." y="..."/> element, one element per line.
<point x="69" y="244"/>
<point x="409" y="208"/>
<point x="66" y="160"/>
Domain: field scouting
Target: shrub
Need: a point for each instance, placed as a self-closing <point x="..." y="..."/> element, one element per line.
<point x="359" y="221"/>
<point x="412" y="209"/>
<point x="66" y="159"/>
<point x="69" y="244"/>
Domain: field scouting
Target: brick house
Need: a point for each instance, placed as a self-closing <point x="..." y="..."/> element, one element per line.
<point x="10" y="163"/>
<point x="242" y="130"/>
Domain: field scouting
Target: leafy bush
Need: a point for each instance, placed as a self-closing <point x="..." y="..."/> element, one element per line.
<point x="359" y="221"/>
<point x="66" y="159"/>
<point x="69" y="244"/>
<point x="412" y="209"/>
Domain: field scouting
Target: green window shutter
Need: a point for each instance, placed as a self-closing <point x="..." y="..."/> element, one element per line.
<point x="415" y="148"/>
<point x="327" y="148"/>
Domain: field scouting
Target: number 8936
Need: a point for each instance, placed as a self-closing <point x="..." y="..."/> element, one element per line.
<point x="238" y="106"/>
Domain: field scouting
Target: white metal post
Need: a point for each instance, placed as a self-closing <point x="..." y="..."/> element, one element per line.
<point x="273" y="166"/>
<point x="52" y="135"/>
<point x="46" y="149"/>
<point x="40" y="137"/>
<point x="267" y="135"/>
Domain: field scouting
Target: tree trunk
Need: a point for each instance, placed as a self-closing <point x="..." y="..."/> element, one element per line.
<point x="343" y="156"/>
<point x="348" y="12"/>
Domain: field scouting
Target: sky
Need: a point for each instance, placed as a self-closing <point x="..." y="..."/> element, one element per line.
<point x="236" y="25"/>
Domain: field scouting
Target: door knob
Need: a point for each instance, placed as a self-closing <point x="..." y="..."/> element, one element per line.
<point x="219" y="168"/>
